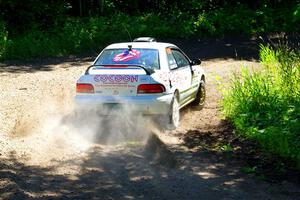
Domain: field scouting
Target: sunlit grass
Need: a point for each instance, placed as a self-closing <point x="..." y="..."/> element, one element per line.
<point x="265" y="105"/>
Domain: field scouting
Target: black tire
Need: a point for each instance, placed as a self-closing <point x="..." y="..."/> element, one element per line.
<point x="173" y="116"/>
<point x="199" y="101"/>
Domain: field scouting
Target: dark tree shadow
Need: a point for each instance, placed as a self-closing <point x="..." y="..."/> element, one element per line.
<point x="44" y="64"/>
<point x="236" y="46"/>
<point x="224" y="142"/>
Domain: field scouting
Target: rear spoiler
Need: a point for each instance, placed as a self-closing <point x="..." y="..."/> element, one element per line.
<point x="88" y="69"/>
<point x="148" y="71"/>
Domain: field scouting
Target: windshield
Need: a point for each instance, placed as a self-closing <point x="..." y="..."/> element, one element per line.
<point x="143" y="57"/>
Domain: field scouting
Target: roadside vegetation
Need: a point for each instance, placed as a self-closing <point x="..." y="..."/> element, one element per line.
<point x="41" y="29"/>
<point x="264" y="105"/>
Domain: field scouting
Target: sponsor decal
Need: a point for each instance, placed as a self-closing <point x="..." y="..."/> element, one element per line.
<point x="127" y="55"/>
<point x="118" y="79"/>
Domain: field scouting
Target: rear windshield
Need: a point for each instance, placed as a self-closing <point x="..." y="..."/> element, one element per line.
<point x="143" y="57"/>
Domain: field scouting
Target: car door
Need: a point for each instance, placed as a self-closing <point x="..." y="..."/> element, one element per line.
<point x="180" y="73"/>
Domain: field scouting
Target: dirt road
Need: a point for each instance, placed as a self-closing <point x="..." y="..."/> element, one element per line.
<point x="45" y="154"/>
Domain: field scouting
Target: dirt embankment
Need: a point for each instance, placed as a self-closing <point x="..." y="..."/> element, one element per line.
<point x="46" y="154"/>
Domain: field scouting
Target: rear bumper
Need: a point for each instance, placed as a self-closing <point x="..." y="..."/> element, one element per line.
<point x="143" y="104"/>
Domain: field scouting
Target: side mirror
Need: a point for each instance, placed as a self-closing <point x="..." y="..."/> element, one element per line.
<point x="196" y="62"/>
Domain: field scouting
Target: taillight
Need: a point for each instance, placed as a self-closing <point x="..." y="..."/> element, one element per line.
<point x="150" y="88"/>
<point x="84" y="88"/>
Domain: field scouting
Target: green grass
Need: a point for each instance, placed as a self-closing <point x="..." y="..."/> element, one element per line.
<point x="265" y="105"/>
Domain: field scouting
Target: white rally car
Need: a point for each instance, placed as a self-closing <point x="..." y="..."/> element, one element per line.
<point x="152" y="78"/>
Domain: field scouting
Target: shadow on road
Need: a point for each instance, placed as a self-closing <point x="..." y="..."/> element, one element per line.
<point x="43" y="64"/>
<point x="132" y="172"/>
<point x="228" y="47"/>
<point x="238" y="47"/>
<point x="235" y="47"/>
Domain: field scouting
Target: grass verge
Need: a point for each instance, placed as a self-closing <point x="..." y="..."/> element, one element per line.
<point x="264" y="106"/>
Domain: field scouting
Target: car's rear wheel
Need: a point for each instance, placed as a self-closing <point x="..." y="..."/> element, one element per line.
<point x="173" y="116"/>
<point x="199" y="101"/>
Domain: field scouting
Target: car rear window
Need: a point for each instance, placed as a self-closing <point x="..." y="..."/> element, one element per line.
<point x="144" y="57"/>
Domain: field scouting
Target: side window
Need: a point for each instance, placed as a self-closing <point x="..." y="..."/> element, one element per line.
<point x="181" y="60"/>
<point x="171" y="60"/>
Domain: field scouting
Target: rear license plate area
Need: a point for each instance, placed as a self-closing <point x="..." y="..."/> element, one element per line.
<point x="112" y="106"/>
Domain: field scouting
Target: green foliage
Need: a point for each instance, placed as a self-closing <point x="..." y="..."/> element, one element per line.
<point x="296" y="14"/>
<point x="3" y="39"/>
<point x="241" y="19"/>
<point x="226" y="148"/>
<point x="20" y="16"/>
<point x="91" y="35"/>
<point x="46" y="28"/>
<point x="265" y="105"/>
<point x="249" y="170"/>
<point x="225" y="20"/>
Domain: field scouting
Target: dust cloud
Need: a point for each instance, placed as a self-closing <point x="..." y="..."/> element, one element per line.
<point x="58" y="130"/>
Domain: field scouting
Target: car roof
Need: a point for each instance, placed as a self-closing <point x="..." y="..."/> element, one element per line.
<point x="146" y="45"/>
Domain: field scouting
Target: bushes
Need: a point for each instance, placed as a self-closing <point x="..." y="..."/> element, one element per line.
<point x="3" y="39"/>
<point x="241" y="19"/>
<point x="90" y="35"/>
<point x="265" y="105"/>
<point x="225" y="20"/>
<point x="75" y="37"/>
<point x="83" y="35"/>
